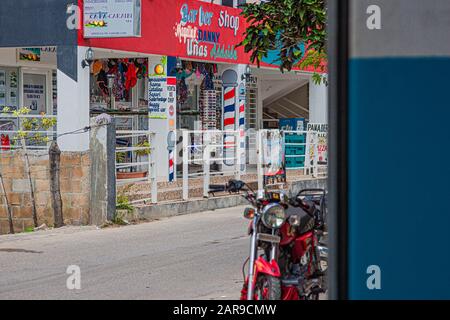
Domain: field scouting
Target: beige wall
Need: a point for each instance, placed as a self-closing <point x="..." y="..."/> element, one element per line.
<point x="75" y="189"/>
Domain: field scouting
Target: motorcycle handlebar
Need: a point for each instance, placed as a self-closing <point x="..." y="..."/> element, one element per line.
<point x="231" y="186"/>
<point x="217" y="188"/>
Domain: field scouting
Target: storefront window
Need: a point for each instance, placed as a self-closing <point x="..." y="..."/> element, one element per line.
<point x="119" y="84"/>
<point x="9" y="88"/>
<point x="197" y="97"/>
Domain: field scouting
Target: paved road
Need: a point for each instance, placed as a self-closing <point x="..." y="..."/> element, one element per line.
<point x="197" y="256"/>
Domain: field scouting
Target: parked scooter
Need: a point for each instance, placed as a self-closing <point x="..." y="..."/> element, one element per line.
<point x="288" y="233"/>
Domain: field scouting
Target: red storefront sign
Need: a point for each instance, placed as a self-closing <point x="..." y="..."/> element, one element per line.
<point x="184" y="28"/>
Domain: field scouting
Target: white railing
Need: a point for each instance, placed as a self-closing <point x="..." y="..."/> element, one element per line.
<point x="148" y="164"/>
<point x="225" y="150"/>
<point x="13" y="127"/>
<point x="226" y="153"/>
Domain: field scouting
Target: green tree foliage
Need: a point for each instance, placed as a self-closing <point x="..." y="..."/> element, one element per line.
<point x="285" y="25"/>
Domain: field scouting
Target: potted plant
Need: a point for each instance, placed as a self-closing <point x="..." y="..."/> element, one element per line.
<point x="145" y="145"/>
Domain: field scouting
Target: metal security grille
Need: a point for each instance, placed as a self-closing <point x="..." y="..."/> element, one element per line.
<point x="252" y="104"/>
<point x="251" y="118"/>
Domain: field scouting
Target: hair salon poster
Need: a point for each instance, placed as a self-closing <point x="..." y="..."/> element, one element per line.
<point x="34" y="92"/>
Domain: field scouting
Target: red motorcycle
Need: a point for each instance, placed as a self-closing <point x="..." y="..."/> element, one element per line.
<point x="288" y="260"/>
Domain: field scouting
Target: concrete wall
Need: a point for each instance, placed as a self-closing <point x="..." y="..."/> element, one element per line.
<point x="75" y="189"/>
<point x="318" y="103"/>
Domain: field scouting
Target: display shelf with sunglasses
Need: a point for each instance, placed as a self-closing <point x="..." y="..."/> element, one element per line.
<point x="208" y="109"/>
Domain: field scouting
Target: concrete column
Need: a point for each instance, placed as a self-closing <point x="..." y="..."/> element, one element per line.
<point x="73" y="98"/>
<point x="103" y="170"/>
<point x="318" y="103"/>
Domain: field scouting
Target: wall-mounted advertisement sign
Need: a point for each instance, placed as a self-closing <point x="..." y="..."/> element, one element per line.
<point x="157" y="102"/>
<point x="317" y="144"/>
<point x="30" y="54"/>
<point x="274" y="161"/>
<point x="188" y="29"/>
<point x="157" y="89"/>
<point x="207" y="33"/>
<point x="112" y="18"/>
<point x="34" y="90"/>
<point x="46" y="55"/>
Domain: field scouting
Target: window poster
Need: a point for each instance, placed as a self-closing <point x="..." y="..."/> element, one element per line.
<point x="30" y="54"/>
<point x="34" y="90"/>
<point x="2" y="97"/>
<point x="13" y="79"/>
<point x="2" y="78"/>
<point x="13" y="98"/>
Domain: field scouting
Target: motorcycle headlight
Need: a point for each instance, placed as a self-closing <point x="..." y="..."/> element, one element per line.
<point x="273" y="216"/>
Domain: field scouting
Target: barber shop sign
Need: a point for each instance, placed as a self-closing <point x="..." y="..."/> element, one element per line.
<point x="207" y="33"/>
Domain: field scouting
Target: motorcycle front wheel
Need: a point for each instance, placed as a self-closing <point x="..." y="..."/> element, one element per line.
<point x="267" y="288"/>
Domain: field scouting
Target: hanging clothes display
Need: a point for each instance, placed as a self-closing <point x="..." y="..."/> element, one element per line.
<point x="5" y="142"/>
<point x="102" y="82"/>
<point x="131" y="77"/>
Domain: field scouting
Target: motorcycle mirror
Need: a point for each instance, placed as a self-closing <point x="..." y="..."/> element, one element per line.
<point x="294" y="220"/>
<point x="249" y="213"/>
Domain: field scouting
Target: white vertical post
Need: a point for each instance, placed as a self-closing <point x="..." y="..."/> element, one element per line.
<point x="152" y="173"/>
<point x="175" y="157"/>
<point x="308" y="167"/>
<point x="238" y="154"/>
<point x="306" y="152"/>
<point x="206" y="163"/>
<point x="185" y="165"/>
<point x="260" y="157"/>
<point x="316" y="154"/>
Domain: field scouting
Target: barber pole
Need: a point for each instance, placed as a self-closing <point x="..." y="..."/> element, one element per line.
<point x="171" y="166"/>
<point x="229" y="123"/>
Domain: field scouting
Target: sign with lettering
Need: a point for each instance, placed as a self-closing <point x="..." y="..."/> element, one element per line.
<point x="188" y="29"/>
<point x="157" y="102"/>
<point x="34" y="92"/>
<point x="317" y="144"/>
<point x="112" y="18"/>
<point x="200" y="30"/>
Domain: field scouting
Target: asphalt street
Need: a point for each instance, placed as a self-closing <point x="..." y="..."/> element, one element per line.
<point x="196" y="256"/>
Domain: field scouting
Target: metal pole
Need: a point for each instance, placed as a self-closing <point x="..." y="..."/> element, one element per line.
<point x="152" y="169"/>
<point x="238" y="154"/>
<point x="251" y="264"/>
<point x="206" y="163"/>
<point x="185" y="165"/>
<point x="260" y="157"/>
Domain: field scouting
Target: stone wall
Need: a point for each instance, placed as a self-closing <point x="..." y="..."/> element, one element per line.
<point x="75" y="189"/>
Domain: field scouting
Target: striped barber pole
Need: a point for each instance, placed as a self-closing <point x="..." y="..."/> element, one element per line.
<point x="171" y="166"/>
<point x="229" y="123"/>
